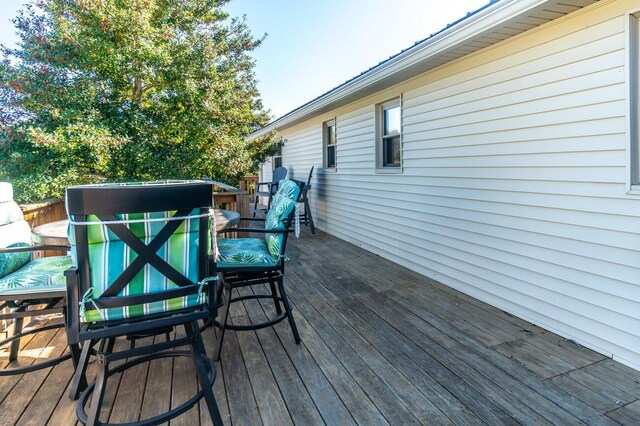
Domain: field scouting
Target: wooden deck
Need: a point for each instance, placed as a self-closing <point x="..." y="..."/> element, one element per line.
<point x="381" y="345"/>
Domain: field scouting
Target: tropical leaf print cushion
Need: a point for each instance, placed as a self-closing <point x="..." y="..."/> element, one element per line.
<point x="44" y="274"/>
<point x="11" y="262"/>
<point x="282" y="205"/>
<point x="244" y="252"/>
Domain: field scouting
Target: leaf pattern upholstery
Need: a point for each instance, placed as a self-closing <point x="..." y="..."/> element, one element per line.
<point x="282" y="205"/>
<point x="11" y="262"/>
<point x="19" y="275"/>
<point x="244" y="252"/>
<point x="38" y="276"/>
<point x="247" y="252"/>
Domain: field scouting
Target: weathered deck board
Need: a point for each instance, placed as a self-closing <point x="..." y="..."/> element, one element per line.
<point x="381" y="344"/>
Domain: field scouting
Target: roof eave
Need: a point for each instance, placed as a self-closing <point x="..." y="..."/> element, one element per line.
<point x="486" y="19"/>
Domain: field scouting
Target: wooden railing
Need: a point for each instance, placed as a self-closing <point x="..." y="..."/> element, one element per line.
<point x="249" y="183"/>
<point x="230" y="198"/>
<point x="44" y="211"/>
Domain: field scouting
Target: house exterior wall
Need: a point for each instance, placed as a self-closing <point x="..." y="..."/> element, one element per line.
<point x="513" y="187"/>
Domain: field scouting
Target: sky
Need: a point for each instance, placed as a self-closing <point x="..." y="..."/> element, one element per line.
<point x="313" y="46"/>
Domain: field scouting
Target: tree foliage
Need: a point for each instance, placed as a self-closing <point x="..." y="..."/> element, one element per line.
<point x="128" y="90"/>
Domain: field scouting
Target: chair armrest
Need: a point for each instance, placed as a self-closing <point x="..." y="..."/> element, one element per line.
<point x="260" y="231"/>
<point x="259" y="184"/>
<point x="260" y="219"/>
<point x="33" y="248"/>
<point x="72" y="306"/>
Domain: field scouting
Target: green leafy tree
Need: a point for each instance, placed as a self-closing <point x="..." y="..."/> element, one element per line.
<point x="114" y="90"/>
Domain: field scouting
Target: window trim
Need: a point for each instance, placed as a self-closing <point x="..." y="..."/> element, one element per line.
<point x="380" y="136"/>
<point x="633" y="98"/>
<point x="326" y="145"/>
<point x="273" y="159"/>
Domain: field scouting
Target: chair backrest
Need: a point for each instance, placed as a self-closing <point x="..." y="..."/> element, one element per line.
<point x="150" y="265"/>
<point x="280" y="213"/>
<point x="309" y="178"/>
<point x="278" y="174"/>
<point x="305" y="190"/>
<point x="14" y="232"/>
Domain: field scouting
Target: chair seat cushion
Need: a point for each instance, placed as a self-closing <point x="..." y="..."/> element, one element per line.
<point x="133" y="311"/>
<point x="42" y="275"/>
<point x="244" y="252"/>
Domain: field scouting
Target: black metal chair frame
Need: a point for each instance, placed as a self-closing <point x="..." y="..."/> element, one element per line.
<point x="306" y="218"/>
<point x="19" y="303"/>
<point x="270" y="192"/>
<point x="105" y="203"/>
<point x="237" y="277"/>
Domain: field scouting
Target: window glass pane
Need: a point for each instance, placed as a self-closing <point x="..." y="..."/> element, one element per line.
<point x="391" y="152"/>
<point x="392" y="120"/>
<point x="277" y="162"/>
<point x="331" y="133"/>
<point x="331" y="156"/>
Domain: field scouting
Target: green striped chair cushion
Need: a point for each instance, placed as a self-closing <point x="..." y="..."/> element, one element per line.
<point x="244" y="252"/>
<point x="282" y="205"/>
<point x="109" y="257"/>
<point x="38" y="276"/>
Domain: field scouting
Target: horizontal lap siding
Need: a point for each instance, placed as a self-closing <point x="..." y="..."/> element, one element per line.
<point x="513" y="187"/>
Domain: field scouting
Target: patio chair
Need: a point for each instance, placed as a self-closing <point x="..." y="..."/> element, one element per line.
<point x="258" y="261"/>
<point x="28" y="288"/>
<point x="272" y="187"/>
<point x="143" y="262"/>
<point x="306" y="217"/>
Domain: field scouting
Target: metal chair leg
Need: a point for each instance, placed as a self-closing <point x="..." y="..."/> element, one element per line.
<point x="15" y="345"/>
<point x="224" y="317"/>
<point x="255" y="206"/>
<point x="308" y="217"/>
<point x="274" y="294"/>
<point x="98" y="392"/>
<point x="79" y="382"/>
<point x="197" y="354"/>
<point x="287" y="307"/>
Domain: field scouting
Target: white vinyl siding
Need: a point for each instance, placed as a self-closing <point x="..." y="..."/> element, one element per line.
<point x="514" y="180"/>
